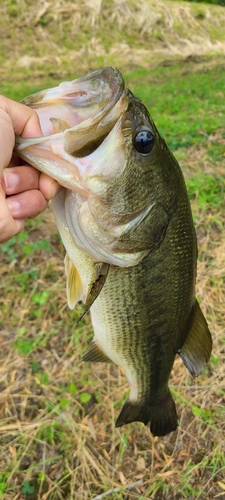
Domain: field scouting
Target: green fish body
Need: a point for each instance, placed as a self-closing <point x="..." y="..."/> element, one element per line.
<point x="125" y="220"/>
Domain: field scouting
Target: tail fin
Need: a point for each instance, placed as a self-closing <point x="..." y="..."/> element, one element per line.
<point x="162" y="417"/>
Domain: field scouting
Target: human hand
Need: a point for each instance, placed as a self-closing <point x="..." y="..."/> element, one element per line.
<point x="24" y="192"/>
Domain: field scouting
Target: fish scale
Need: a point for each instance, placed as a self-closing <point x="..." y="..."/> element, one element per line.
<point x="125" y="220"/>
<point x="148" y="302"/>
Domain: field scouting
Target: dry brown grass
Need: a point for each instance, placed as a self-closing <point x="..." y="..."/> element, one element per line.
<point x="69" y="37"/>
<point x="64" y="448"/>
<point x="67" y="449"/>
<point x="51" y="440"/>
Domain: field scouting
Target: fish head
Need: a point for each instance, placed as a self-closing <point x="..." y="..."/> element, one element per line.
<point x="103" y="147"/>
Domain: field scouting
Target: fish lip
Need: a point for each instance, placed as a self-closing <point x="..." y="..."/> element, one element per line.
<point x="115" y="80"/>
<point x="105" y="89"/>
<point x="109" y="75"/>
<point x="104" y="85"/>
<point x="88" y="100"/>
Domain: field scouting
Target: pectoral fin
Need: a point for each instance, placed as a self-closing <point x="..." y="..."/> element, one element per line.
<point x="95" y="287"/>
<point x="94" y="353"/>
<point x="74" y="290"/>
<point x="196" y="350"/>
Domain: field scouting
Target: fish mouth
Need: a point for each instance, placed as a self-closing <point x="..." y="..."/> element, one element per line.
<point x="88" y="99"/>
<point x="75" y="119"/>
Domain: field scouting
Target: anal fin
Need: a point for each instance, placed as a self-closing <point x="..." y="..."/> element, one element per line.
<point x="196" y="349"/>
<point x="94" y="353"/>
<point x="95" y="287"/>
<point x="162" y="417"/>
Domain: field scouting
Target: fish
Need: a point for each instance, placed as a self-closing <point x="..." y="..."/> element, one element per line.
<point x="125" y="220"/>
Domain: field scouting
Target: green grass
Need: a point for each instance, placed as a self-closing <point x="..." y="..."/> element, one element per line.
<point x="57" y="414"/>
<point x="188" y="112"/>
<point x="186" y="115"/>
<point x="71" y="406"/>
<point x="208" y="191"/>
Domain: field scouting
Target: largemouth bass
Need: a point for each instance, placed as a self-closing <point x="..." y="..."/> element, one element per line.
<point x="125" y="220"/>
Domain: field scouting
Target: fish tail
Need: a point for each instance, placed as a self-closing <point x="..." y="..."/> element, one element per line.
<point x="162" y="417"/>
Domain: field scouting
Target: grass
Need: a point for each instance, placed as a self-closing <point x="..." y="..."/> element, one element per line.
<point x="58" y="38"/>
<point x="188" y="114"/>
<point x="57" y="415"/>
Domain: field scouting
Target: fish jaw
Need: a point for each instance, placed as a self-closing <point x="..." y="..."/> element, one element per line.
<point x="73" y="116"/>
<point x="79" y="100"/>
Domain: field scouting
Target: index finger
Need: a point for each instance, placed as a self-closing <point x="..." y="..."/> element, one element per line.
<point x="15" y="118"/>
<point x="25" y="120"/>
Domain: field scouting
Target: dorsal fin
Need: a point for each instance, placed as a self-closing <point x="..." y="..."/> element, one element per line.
<point x="196" y="349"/>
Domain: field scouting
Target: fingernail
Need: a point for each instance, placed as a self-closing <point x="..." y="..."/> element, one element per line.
<point x="14" y="205"/>
<point x="11" y="180"/>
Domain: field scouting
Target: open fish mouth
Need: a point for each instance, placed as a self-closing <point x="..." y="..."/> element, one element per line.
<point x="87" y="99"/>
<point x="75" y="119"/>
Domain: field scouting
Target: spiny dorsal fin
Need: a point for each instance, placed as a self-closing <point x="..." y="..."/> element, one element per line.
<point x="95" y="287"/>
<point x="74" y="290"/>
<point x="196" y="349"/>
<point x="59" y="125"/>
<point x="94" y="353"/>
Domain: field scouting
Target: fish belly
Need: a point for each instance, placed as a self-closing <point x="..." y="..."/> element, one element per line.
<point x="107" y="335"/>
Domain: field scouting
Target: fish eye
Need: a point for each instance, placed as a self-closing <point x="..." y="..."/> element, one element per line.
<point x="144" y="142"/>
